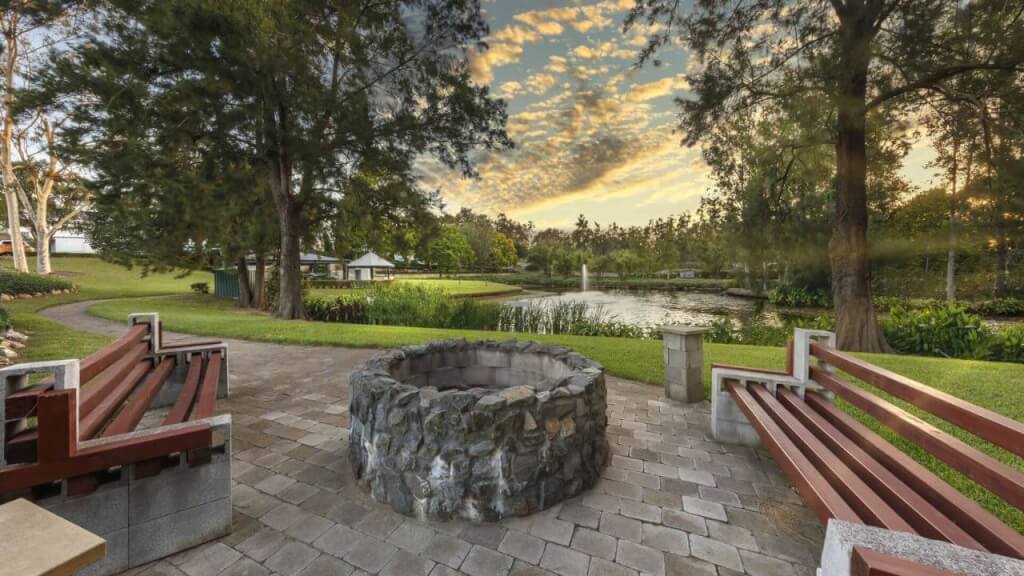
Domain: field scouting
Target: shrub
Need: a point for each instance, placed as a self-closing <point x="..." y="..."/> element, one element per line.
<point x="200" y="287"/>
<point x="1006" y="345"/>
<point x="565" y="317"/>
<point x="405" y="305"/>
<point x="5" y="318"/>
<point x="15" y="283"/>
<point x="792" y="296"/>
<point x="936" y="330"/>
<point x="998" y="307"/>
<point x="759" y="331"/>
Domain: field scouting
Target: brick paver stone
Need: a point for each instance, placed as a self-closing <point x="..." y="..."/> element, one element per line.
<point x="620" y="527"/>
<point x="338" y="540"/>
<point x="715" y="552"/>
<point x="447" y="549"/>
<point x="407" y="564"/>
<point x="241" y="567"/>
<point x="666" y="539"/>
<point x="760" y="565"/>
<point x="309" y="528"/>
<point x="209" y="560"/>
<point x="594" y="543"/>
<point x="564" y="562"/>
<point x="552" y="530"/>
<point x="370" y="554"/>
<point x="602" y="567"/>
<point x="327" y="565"/>
<point x="522" y="546"/>
<point x="292" y="558"/>
<point x="486" y="562"/>
<point x="412" y="537"/>
<point x="645" y="559"/>
<point x="704" y="508"/>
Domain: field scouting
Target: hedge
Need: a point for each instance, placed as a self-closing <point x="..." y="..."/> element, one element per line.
<point x="15" y="283"/>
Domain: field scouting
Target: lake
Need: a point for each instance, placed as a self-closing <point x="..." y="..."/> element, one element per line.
<point x="654" y="308"/>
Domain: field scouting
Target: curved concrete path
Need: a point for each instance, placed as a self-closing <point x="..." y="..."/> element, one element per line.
<point x="670" y="502"/>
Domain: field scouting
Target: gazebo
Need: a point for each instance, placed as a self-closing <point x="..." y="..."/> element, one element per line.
<point x="368" y="267"/>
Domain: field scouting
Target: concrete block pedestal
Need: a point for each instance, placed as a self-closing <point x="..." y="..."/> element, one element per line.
<point x="684" y="362"/>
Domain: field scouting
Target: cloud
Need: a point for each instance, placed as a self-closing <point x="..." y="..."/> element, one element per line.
<point x="658" y="88"/>
<point x="482" y="62"/>
<point x="515" y="35"/>
<point x="540" y="83"/>
<point x="509" y="89"/>
<point x="602" y="50"/>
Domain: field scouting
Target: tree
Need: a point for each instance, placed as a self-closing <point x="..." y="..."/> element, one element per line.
<point x="542" y="255"/>
<point x="503" y="252"/>
<point x="450" y="252"/>
<point x="21" y="21"/>
<point x="863" y="55"/>
<point x="310" y="92"/>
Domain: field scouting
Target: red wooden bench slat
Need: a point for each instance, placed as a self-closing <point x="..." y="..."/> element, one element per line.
<point x="865" y="562"/>
<point x="135" y="409"/>
<point x="100" y="360"/>
<point x="22" y="403"/>
<point x="922" y="515"/>
<point x="58" y="436"/>
<point x="93" y="422"/>
<point x="187" y="344"/>
<point x="868" y="504"/>
<point x="100" y="457"/>
<point x="816" y="491"/>
<point x="95" y="391"/>
<point x="999" y="478"/>
<point x="745" y="369"/>
<point x="179" y="412"/>
<point x="207" y="401"/>
<point x="981" y="524"/>
<point x="996" y="428"/>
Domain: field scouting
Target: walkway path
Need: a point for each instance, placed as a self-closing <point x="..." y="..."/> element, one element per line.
<point x="671" y="502"/>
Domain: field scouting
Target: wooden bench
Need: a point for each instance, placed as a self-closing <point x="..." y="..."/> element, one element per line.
<point x="131" y="411"/>
<point x="845" y="471"/>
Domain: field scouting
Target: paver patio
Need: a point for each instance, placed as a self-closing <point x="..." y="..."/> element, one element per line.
<point x="671" y="501"/>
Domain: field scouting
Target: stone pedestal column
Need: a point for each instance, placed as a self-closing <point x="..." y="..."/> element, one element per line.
<point x="684" y="362"/>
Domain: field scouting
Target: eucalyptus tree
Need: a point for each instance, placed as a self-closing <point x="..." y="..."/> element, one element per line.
<point x="308" y="92"/>
<point x="863" y="56"/>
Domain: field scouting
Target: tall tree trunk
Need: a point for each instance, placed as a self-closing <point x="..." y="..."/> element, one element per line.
<point x="43" y="236"/>
<point x="954" y="221"/>
<point x="245" y="299"/>
<point x="1001" y="285"/>
<point x="289" y="306"/>
<point x="10" y="193"/>
<point x="857" y="325"/>
<point x="260" y="286"/>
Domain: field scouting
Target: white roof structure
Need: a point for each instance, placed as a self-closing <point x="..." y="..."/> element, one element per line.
<point x="370" y="260"/>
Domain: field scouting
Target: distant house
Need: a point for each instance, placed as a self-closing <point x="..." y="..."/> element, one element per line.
<point x="370" y="267"/>
<point x="64" y="242"/>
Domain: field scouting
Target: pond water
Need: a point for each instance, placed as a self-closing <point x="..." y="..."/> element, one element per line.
<point x="655" y="308"/>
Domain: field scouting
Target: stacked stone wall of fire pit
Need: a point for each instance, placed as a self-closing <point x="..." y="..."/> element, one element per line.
<point x="478" y="430"/>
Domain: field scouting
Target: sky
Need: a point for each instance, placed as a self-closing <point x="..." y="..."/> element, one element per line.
<point x="593" y="134"/>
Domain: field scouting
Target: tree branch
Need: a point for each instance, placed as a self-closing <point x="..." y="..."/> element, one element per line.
<point x="935" y="77"/>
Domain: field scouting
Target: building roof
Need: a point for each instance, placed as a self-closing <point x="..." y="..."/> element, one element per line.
<point x="370" y="260"/>
<point x="311" y="258"/>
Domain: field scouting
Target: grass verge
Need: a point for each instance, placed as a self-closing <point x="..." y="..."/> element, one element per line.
<point x="453" y="286"/>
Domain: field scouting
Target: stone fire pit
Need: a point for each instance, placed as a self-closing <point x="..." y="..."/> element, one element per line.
<point x="478" y="430"/>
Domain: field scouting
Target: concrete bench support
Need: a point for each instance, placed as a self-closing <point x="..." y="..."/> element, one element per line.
<point x="841" y="537"/>
<point x="144" y="519"/>
<point x="684" y="362"/>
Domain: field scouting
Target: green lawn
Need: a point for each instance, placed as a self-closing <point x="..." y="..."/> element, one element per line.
<point x="96" y="280"/>
<point x="454" y="286"/>
<point x="997" y="386"/>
